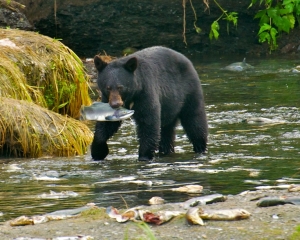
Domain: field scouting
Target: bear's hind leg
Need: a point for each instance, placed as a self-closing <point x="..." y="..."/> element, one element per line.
<point x="167" y="137"/>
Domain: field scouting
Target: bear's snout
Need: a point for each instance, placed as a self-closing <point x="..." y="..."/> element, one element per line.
<point x="115" y="99"/>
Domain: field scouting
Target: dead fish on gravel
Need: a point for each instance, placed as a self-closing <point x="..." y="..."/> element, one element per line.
<point x="130" y="214"/>
<point x="25" y="220"/>
<point x="100" y="111"/>
<point x="224" y="215"/>
<point x="57" y="215"/>
<point x="189" y="189"/>
<point x="193" y="202"/>
<point x="136" y="214"/>
<point x="192" y="216"/>
<point x="21" y="221"/>
<point x="274" y="201"/>
<point x="112" y="212"/>
<point x="238" y="66"/>
<point x="159" y="217"/>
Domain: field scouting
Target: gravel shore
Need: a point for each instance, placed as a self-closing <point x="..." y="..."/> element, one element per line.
<point x="276" y="222"/>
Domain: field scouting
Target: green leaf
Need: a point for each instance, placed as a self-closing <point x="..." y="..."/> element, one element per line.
<point x="273" y="33"/>
<point x="284" y="11"/>
<point x="283" y="24"/>
<point x="272" y="12"/>
<point x="252" y="3"/>
<point x="215" y="25"/>
<point x="297" y="8"/>
<point x="292" y="20"/>
<point x="264" y="19"/>
<point x="62" y="105"/>
<point x="216" y="33"/>
<point x="289" y="7"/>
<point x="285" y="2"/>
<point x="264" y="28"/>
<point x="232" y="17"/>
<point x="277" y="21"/>
<point x="214" y="30"/>
<point x="265" y="36"/>
<point x="198" y="30"/>
<point x="260" y="13"/>
<point x="268" y="2"/>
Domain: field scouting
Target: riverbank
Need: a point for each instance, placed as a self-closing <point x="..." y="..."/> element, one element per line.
<point x="93" y="26"/>
<point x="276" y="222"/>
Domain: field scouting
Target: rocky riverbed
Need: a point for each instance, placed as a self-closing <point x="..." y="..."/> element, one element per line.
<point x="276" y="222"/>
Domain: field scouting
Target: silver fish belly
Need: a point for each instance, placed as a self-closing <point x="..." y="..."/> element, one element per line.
<point x="100" y="111"/>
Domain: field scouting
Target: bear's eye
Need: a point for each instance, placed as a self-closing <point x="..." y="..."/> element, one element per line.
<point x="108" y="88"/>
<point x="120" y="87"/>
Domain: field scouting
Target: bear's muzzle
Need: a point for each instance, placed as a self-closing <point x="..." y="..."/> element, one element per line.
<point x="115" y="99"/>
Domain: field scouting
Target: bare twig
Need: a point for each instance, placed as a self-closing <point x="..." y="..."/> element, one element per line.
<point x="184" y="21"/>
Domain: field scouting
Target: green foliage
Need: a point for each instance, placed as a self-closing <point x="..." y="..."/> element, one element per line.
<point x="59" y="95"/>
<point x="277" y="17"/>
<point x="230" y="17"/>
<point x="214" y="30"/>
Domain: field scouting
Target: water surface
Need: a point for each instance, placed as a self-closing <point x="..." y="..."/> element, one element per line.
<point x="241" y="156"/>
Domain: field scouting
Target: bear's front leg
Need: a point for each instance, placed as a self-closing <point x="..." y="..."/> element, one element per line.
<point x="103" y="131"/>
<point x="148" y="130"/>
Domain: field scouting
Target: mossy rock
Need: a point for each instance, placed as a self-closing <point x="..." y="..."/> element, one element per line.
<point x="40" y="69"/>
<point x="28" y="130"/>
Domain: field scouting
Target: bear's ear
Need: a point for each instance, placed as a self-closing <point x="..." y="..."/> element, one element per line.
<point x="131" y="64"/>
<point x="99" y="63"/>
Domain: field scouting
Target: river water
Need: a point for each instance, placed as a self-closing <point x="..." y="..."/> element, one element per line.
<point x="241" y="156"/>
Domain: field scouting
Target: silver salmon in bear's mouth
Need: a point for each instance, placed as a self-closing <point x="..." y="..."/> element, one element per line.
<point x="100" y="111"/>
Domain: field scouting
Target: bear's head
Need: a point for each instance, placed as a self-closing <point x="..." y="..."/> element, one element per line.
<point x="116" y="80"/>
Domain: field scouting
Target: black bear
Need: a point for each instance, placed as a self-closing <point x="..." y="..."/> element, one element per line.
<point x="162" y="87"/>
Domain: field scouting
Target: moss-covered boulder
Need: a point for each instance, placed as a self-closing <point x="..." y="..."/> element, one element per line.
<point x="28" y="130"/>
<point x="40" y="69"/>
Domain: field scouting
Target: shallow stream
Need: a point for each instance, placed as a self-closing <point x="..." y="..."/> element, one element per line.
<point x="241" y="156"/>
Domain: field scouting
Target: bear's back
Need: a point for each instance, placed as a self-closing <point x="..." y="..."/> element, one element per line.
<point x="162" y="65"/>
<point x="160" y="54"/>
